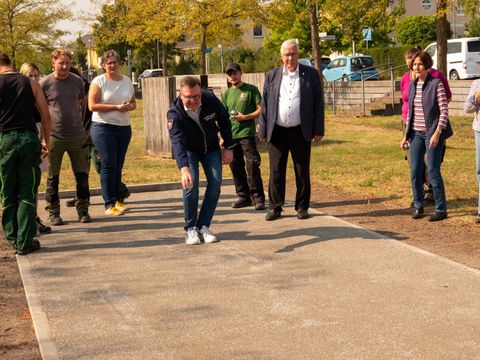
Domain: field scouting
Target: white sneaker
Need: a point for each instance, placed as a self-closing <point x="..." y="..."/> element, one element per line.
<point x="208" y="237"/>
<point x="191" y="236"/>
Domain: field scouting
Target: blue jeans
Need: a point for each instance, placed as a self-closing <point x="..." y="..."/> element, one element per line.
<point x="212" y="166"/>
<point x="477" y="158"/>
<point x="418" y="147"/>
<point x="111" y="142"/>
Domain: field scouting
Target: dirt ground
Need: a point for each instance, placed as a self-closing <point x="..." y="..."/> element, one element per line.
<point x="460" y="243"/>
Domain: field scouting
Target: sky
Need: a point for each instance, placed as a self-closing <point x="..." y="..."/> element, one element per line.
<point x="80" y="9"/>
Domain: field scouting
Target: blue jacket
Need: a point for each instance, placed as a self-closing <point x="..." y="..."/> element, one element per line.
<point x="187" y="135"/>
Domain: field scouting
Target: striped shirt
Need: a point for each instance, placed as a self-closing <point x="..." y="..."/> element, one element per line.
<point x="418" y="113"/>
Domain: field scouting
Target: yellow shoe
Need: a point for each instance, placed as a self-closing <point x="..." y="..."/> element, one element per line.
<point x="112" y="210"/>
<point x="120" y="206"/>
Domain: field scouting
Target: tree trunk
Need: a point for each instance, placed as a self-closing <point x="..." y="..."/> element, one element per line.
<point x="441" y="27"/>
<point x="315" y="38"/>
<point x="317" y="57"/>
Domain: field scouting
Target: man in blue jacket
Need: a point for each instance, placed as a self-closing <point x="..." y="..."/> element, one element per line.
<point x="291" y="117"/>
<point x="194" y="121"/>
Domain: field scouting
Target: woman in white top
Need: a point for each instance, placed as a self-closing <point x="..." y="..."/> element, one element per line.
<point x="111" y="98"/>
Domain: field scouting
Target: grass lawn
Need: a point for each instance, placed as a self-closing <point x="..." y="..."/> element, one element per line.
<point x="359" y="155"/>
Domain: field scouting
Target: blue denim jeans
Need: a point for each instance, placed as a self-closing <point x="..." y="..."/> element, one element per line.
<point x="418" y="148"/>
<point x="212" y="166"/>
<point x="111" y="142"/>
<point x="477" y="158"/>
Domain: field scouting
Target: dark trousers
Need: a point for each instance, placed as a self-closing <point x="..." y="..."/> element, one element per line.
<point x="20" y="176"/>
<point x="283" y="141"/>
<point x="246" y="170"/>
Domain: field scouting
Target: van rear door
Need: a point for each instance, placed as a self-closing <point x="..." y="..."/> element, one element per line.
<point x="472" y="61"/>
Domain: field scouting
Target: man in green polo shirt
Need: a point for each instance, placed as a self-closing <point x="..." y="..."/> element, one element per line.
<point x="243" y="103"/>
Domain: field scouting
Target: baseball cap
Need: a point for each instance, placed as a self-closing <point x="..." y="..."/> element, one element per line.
<point x="233" y="67"/>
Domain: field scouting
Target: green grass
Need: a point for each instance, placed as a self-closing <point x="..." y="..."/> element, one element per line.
<point x="358" y="155"/>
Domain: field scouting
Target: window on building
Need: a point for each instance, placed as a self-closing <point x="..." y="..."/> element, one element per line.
<point x="257" y="31"/>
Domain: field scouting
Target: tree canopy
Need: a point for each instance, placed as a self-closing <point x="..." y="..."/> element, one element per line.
<point x="28" y="26"/>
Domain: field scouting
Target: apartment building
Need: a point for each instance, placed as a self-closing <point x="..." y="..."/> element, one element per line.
<point x="456" y="17"/>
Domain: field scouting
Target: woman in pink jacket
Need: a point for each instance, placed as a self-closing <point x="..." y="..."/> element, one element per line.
<point x="404" y="86"/>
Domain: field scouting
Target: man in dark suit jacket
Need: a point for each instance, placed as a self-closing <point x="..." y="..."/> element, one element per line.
<point x="292" y="115"/>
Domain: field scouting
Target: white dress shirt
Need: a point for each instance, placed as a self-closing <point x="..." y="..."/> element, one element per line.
<point x="289" y="99"/>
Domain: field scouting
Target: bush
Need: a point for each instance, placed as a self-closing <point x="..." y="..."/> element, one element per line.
<point x="417" y="29"/>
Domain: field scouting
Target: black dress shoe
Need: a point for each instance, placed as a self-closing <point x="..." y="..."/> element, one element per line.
<point x="417" y="214"/>
<point x="273" y="215"/>
<point x="241" y="203"/>
<point x="438" y="216"/>
<point x="477" y="219"/>
<point x="302" y="214"/>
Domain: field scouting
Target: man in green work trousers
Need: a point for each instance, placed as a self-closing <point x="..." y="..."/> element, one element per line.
<point x="20" y="154"/>
<point x="242" y="101"/>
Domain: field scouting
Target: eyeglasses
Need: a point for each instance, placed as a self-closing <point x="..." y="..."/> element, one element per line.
<point x="191" y="98"/>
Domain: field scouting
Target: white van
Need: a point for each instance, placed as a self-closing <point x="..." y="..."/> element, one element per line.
<point x="463" y="57"/>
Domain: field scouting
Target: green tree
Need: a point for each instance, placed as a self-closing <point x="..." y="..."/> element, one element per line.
<point x="471" y="8"/>
<point x="417" y="29"/>
<point x="149" y="21"/>
<point x="472" y="29"/>
<point x="350" y="17"/>
<point x="108" y="30"/>
<point x="79" y="56"/>
<point x="28" y="26"/>
<point x="211" y="22"/>
<point x="288" y="20"/>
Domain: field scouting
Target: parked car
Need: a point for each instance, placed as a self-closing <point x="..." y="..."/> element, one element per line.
<point x="309" y="62"/>
<point x="348" y="68"/>
<point x="149" y="73"/>
<point x="463" y="58"/>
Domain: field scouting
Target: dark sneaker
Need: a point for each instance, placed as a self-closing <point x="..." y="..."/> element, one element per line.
<point x="55" y="220"/>
<point x="302" y="214"/>
<point x="241" y="203"/>
<point x="438" y="216"/>
<point x="41" y="227"/>
<point x="35" y="246"/>
<point x="70" y="203"/>
<point x="273" y="215"/>
<point x="84" y="218"/>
